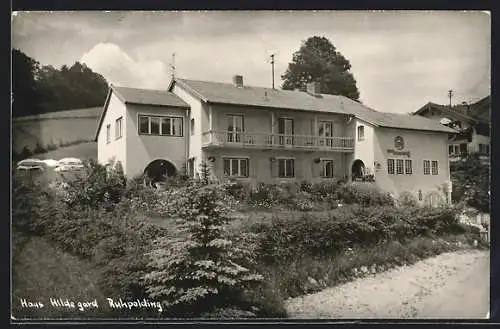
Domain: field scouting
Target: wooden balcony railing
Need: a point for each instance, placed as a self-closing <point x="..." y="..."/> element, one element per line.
<point x="276" y="141"/>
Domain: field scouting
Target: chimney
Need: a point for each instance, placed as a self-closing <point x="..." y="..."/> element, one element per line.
<point x="314" y="88"/>
<point x="238" y="81"/>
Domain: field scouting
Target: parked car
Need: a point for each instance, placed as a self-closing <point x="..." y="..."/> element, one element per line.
<point x="31" y="165"/>
<point x="51" y="163"/>
<point x="69" y="164"/>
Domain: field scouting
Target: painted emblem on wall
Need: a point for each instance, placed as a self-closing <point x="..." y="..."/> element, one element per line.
<point x="399" y="143"/>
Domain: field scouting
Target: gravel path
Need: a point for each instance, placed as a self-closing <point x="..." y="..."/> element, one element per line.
<point x="451" y="285"/>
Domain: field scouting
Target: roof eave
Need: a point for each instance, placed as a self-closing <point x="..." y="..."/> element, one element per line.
<point x="103" y="114"/>
<point x="189" y="89"/>
<point x="157" y="105"/>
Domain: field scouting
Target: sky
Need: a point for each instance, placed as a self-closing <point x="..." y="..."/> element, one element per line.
<point x="400" y="59"/>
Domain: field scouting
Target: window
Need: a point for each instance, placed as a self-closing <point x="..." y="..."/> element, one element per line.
<point x="427" y="167"/>
<point x="235" y="126"/>
<point x="157" y="125"/>
<point x="236" y="167"/>
<point x="327" y="168"/>
<point x="390" y="166"/>
<point x="285" y="130"/>
<point x="399" y="167"/>
<point x="451" y="149"/>
<point x="484" y="148"/>
<point x="434" y="167"/>
<point x="118" y="128"/>
<point x="286" y="168"/>
<point x="361" y="133"/>
<point x="408" y="167"/>
<point x="108" y="134"/>
<point x="192" y="127"/>
<point x="325" y="130"/>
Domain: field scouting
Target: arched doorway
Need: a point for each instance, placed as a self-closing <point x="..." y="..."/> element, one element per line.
<point x="357" y="170"/>
<point x="159" y="170"/>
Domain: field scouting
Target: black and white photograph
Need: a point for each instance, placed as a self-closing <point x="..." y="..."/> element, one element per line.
<point x="245" y="165"/>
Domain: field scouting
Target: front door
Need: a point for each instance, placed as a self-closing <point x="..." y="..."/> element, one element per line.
<point x="285" y="130"/>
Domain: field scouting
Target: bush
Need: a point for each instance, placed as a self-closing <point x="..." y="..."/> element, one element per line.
<point x="98" y="186"/>
<point x="39" y="149"/>
<point x="198" y="271"/>
<point x="25" y="153"/>
<point x="365" y="195"/>
<point x="406" y="199"/>
<point x="283" y="238"/>
<point x="238" y="190"/>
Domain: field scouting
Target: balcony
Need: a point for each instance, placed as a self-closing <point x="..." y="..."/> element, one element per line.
<point x="216" y="139"/>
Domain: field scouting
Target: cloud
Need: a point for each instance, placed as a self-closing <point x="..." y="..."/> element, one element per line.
<point x="121" y="69"/>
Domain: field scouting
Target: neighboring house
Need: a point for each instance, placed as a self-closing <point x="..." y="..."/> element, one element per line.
<point x="472" y="121"/>
<point x="256" y="134"/>
<point x="54" y="128"/>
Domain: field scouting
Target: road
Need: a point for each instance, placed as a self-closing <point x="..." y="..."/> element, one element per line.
<point x="448" y="286"/>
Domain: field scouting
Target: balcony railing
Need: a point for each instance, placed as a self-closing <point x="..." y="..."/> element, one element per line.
<point x="276" y="141"/>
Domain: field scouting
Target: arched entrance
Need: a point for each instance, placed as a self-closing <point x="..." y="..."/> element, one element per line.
<point x="357" y="170"/>
<point x="159" y="170"/>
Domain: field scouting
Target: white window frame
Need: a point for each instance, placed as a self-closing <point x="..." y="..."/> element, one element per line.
<point x="427" y="167"/>
<point x="191" y="127"/>
<point x="324" y="139"/>
<point x="286" y="159"/>
<point x="108" y="134"/>
<point x="161" y="118"/>
<point x="402" y="167"/>
<point x="239" y="160"/>
<point x="361" y="133"/>
<point x="434" y="172"/>
<point x="119" y="128"/>
<point x="323" y="173"/>
<point x="410" y="167"/>
<point x="391" y="167"/>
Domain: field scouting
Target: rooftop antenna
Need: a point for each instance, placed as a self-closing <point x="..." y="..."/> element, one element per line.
<point x="272" y="66"/>
<point x="172" y="66"/>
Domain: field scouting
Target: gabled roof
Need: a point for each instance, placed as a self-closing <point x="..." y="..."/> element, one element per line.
<point x="149" y="97"/>
<point x="226" y="93"/>
<point x="478" y="112"/>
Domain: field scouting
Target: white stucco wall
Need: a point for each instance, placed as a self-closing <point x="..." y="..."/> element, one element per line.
<point x="422" y="145"/>
<point x="199" y="112"/>
<point x="363" y="150"/>
<point x="116" y="149"/>
<point x="145" y="148"/>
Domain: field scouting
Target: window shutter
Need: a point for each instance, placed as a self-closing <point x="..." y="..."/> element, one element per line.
<point x="297" y="168"/>
<point x="274" y="167"/>
<point x="316" y="168"/>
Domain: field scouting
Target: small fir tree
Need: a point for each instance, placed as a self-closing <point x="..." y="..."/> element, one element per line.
<point x="199" y="271"/>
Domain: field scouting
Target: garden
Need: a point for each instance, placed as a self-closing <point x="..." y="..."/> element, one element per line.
<point x="217" y="250"/>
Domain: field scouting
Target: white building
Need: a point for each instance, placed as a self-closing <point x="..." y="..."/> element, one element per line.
<point x="257" y="134"/>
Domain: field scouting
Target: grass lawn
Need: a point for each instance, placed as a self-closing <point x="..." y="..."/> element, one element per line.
<point x="40" y="271"/>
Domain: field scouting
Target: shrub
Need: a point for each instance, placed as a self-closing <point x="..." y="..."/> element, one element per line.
<point x="238" y="190"/>
<point x="97" y="186"/>
<point x="39" y="149"/>
<point x="51" y="146"/>
<point x="284" y="239"/>
<point x="198" y="271"/>
<point x="365" y="194"/>
<point x="25" y="153"/>
<point x="407" y="199"/>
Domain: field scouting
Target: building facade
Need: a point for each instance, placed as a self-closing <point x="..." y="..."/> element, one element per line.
<point x="255" y="134"/>
<point x="472" y="121"/>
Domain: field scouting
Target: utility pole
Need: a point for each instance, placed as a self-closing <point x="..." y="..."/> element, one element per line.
<point x="172" y="65"/>
<point x="272" y="67"/>
<point x="450" y="94"/>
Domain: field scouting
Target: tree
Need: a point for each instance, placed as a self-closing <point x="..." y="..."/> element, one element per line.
<point x="318" y="61"/>
<point x="471" y="183"/>
<point x="24" y="74"/>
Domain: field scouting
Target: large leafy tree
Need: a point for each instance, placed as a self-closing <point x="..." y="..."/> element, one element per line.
<point x="471" y="183"/>
<point x="24" y="85"/>
<point x="40" y="89"/>
<point x="319" y="61"/>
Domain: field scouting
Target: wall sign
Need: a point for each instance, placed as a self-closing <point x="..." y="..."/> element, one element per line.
<point x="399" y="143"/>
<point x="393" y="152"/>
